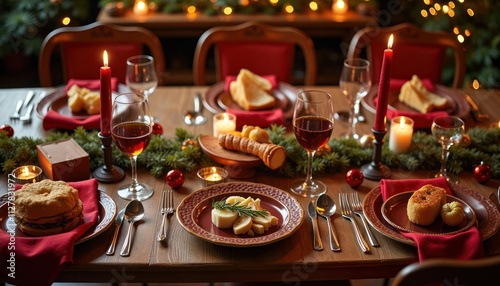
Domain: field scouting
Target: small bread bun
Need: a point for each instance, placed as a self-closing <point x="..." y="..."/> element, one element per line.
<point x="425" y="204"/>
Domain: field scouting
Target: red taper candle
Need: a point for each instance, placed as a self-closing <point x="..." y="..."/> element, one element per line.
<point x="383" y="88"/>
<point x="105" y="97"/>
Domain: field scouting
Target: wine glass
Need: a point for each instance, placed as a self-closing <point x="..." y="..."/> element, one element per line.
<point x="131" y="127"/>
<point x="313" y="126"/>
<point x="448" y="130"/>
<point x="355" y="81"/>
<point x="141" y="74"/>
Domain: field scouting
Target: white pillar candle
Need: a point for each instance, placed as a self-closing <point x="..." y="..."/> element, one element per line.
<point x="224" y="123"/>
<point x="400" y="134"/>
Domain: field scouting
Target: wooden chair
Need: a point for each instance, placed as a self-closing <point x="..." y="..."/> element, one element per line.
<point x="81" y="51"/>
<point x="416" y="51"/>
<point x="261" y="48"/>
<point x="449" y="272"/>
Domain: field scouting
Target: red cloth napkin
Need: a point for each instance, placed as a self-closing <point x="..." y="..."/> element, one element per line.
<point x="54" y="119"/>
<point x="38" y="260"/>
<point x="261" y="118"/>
<point x="463" y="245"/>
<point x="421" y="120"/>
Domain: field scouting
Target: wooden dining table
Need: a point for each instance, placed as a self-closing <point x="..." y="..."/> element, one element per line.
<point x="187" y="258"/>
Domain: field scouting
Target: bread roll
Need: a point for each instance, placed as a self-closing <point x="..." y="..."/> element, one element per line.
<point x="415" y="95"/>
<point x="424" y="206"/>
<point x="251" y="91"/>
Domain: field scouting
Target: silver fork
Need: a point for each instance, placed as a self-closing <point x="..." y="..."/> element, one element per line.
<point x="16" y="114"/>
<point x="27" y="116"/>
<point x="358" y="210"/>
<point x="167" y="207"/>
<point x="346" y="211"/>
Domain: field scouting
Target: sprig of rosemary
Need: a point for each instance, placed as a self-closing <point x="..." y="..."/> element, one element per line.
<point x="241" y="209"/>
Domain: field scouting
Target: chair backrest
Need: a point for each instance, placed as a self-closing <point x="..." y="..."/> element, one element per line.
<point x="416" y="51"/>
<point x="81" y="50"/>
<point x="261" y="48"/>
<point x="449" y="272"/>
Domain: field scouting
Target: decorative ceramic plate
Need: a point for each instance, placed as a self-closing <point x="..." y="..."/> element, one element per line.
<point x="394" y="212"/>
<point x="458" y="106"/>
<point x="58" y="101"/>
<point x="217" y="99"/>
<point x="107" y="212"/>
<point x="195" y="213"/>
<point x="487" y="214"/>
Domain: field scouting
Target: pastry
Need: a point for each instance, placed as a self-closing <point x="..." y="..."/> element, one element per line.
<point x="452" y="213"/>
<point x="415" y="95"/>
<point x="424" y="205"/>
<point x="47" y="207"/>
<point x="272" y="155"/>
<point x="251" y="91"/>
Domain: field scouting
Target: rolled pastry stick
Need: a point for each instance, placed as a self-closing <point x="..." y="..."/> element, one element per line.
<point x="272" y="155"/>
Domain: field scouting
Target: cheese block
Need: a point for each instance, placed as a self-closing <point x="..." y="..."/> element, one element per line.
<point x="251" y="91"/>
<point x="415" y="95"/>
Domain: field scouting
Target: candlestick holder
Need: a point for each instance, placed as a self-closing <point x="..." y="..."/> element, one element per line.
<point x="375" y="170"/>
<point x="108" y="173"/>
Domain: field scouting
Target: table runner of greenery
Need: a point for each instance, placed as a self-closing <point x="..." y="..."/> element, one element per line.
<point x="164" y="154"/>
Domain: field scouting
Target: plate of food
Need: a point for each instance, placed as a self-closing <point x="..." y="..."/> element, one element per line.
<point x="394" y="211"/>
<point x="107" y="213"/>
<point x="195" y="214"/>
<point x="487" y="214"/>
<point x="456" y="103"/>
<point x="218" y="99"/>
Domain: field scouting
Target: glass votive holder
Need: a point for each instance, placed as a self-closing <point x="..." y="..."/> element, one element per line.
<point x="224" y="123"/>
<point x="212" y="175"/>
<point x="27" y="174"/>
<point x="401" y="133"/>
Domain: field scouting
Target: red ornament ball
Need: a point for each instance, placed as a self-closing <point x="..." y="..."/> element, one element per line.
<point x="354" y="177"/>
<point x="157" y="129"/>
<point x="482" y="173"/>
<point x="174" y="178"/>
<point x="7" y="129"/>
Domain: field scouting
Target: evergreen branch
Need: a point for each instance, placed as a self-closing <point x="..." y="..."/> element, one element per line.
<point x="240" y="209"/>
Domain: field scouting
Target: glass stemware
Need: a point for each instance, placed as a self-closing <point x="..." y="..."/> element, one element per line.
<point x="131" y="128"/>
<point x="141" y="75"/>
<point x="313" y="126"/>
<point x="448" y="130"/>
<point x="355" y="81"/>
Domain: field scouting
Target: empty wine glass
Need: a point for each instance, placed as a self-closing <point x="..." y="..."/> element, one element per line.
<point x="131" y="131"/>
<point x="448" y="130"/>
<point x="313" y="126"/>
<point x="355" y="81"/>
<point x="141" y="75"/>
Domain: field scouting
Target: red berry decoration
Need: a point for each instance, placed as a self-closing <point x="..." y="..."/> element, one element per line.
<point x="354" y="177"/>
<point x="7" y="129"/>
<point x="482" y="173"/>
<point x="157" y="129"/>
<point x="174" y="178"/>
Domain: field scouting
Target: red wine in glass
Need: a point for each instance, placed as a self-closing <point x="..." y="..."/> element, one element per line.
<point x="132" y="137"/>
<point x="312" y="132"/>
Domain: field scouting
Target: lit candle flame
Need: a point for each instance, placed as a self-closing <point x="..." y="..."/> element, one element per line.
<point x="391" y="40"/>
<point x="402" y="122"/>
<point x="105" y="58"/>
<point x="26" y="170"/>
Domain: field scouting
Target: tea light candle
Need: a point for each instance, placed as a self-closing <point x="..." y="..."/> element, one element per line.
<point x="340" y="7"/>
<point x="140" y="8"/>
<point x="27" y="174"/>
<point x="212" y="175"/>
<point x="224" y="123"/>
<point x="400" y="134"/>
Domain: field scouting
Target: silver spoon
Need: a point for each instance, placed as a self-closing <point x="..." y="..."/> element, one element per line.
<point x="325" y="206"/>
<point x="134" y="212"/>
<point x="196" y="117"/>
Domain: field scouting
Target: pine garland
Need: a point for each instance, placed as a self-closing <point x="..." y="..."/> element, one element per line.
<point x="164" y="154"/>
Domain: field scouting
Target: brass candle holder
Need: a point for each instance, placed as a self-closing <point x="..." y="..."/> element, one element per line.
<point x="375" y="170"/>
<point x="108" y="173"/>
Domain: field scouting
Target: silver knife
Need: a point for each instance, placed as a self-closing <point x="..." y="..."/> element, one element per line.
<point x="311" y="210"/>
<point x="28" y="98"/>
<point x="118" y="225"/>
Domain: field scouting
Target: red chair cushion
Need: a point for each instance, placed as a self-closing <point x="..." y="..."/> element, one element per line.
<point x="83" y="60"/>
<point x="260" y="58"/>
<point x="423" y="60"/>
